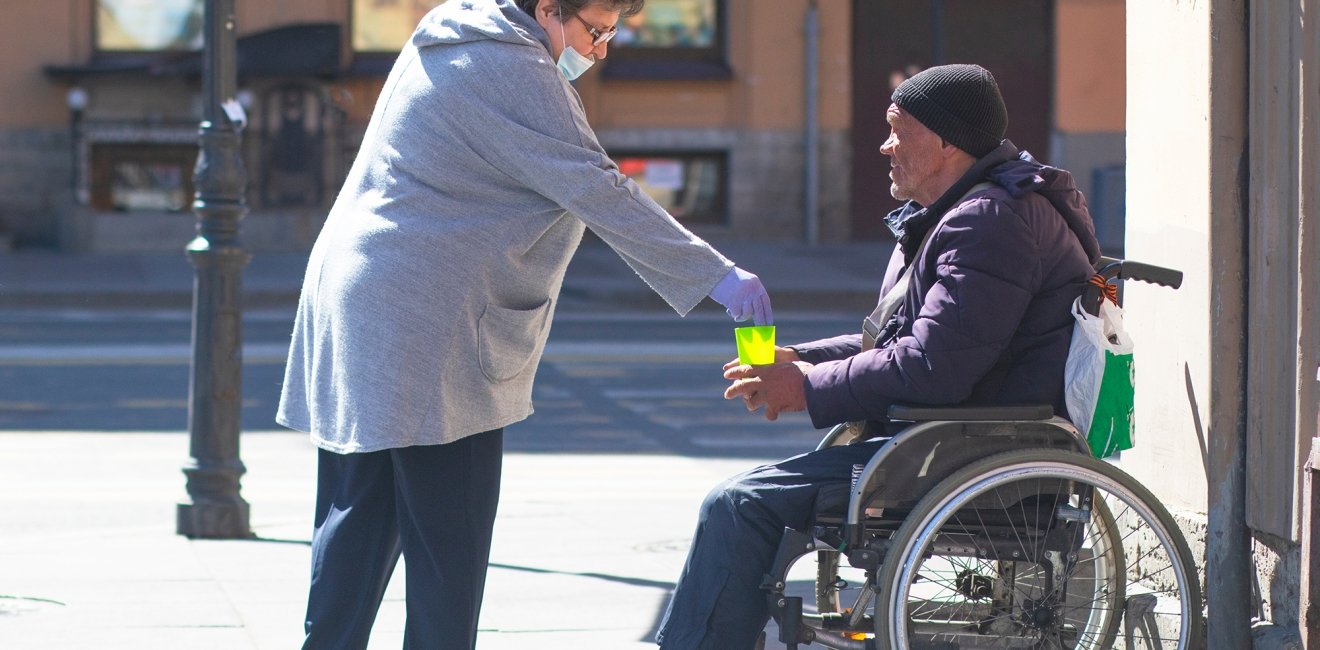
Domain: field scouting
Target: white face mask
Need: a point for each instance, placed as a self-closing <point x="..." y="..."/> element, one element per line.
<point x="571" y="63"/>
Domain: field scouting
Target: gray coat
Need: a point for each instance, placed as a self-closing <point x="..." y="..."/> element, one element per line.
<point x="430" y="290"/>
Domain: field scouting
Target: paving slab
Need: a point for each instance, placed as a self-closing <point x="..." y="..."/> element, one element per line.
<point x="586" y="550"/>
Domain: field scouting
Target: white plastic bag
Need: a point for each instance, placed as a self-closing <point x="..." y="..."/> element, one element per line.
<point x="1099" y="379"/>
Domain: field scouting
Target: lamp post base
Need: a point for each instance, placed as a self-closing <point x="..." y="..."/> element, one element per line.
<point x="215" y="520"/>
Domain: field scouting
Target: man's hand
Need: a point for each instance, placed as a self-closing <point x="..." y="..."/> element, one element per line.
<point x="782" y="355"/>
<point x="778" y="387"/>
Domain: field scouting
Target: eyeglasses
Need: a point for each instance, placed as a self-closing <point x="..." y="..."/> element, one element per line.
<point x="598" y="38"/>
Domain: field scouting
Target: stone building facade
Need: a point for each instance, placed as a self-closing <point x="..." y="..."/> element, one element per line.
<point x="766" y="129"/>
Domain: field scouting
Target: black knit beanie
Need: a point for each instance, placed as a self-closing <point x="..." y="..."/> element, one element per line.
<point x="960" y="103"/>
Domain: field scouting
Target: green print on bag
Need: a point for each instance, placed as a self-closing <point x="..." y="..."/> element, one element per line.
<point x="1112" y="425"/>
<point x="1098" y="379"/>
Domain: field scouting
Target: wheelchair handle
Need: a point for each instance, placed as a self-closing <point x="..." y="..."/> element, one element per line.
<point x="1111" y="268"/>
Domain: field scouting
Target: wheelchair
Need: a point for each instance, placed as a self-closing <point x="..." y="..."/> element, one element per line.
<point x="992" y="527"/>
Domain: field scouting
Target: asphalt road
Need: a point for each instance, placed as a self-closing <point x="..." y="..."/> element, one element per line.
<point x="619" y="382"/>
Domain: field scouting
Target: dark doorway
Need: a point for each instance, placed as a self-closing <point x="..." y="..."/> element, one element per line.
<point x="293" y="134"/>
<point x="893" y="39"/>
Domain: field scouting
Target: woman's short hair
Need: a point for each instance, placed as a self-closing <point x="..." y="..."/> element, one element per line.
<point x="624" y="7"/>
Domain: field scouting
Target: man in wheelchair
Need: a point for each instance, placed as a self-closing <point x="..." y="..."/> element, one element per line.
<point x="993" y="249"/>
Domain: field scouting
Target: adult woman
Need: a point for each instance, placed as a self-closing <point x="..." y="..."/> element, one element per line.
<point x="429" y="295"/>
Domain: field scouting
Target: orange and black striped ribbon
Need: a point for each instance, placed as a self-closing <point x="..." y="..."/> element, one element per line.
<point x="1109" y="290"/>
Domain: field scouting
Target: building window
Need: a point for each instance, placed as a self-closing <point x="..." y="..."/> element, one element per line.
<point x="671" y="39"/>
<point x="690" y="186"/>
<point x="384" y="26"/>
<point x="148" y="25"/>
<point x="671" y="24"/>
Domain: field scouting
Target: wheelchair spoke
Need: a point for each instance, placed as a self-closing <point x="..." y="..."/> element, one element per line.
<point x="1021" y="545"/>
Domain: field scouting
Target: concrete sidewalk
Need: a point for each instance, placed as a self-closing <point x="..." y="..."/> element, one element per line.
<point x="586" y="548"/>
<point x="831" y="277"/>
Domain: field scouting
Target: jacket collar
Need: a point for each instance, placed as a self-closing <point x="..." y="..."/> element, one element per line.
<point x="911" y="220"/>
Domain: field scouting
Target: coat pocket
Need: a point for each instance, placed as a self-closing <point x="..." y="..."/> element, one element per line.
<point x="507" y="338"/>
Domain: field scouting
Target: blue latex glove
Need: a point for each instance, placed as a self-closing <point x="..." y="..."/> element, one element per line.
<point x="743" y="297"/>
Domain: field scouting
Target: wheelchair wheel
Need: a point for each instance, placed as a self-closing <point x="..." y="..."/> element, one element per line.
<point x="1038" y="548"/>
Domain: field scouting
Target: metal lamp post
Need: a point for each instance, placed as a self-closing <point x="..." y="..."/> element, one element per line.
<point x="215" y="508"/>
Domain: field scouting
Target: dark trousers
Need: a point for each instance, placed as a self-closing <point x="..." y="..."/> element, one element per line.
<point x="718" y="603"/>
<point x="434" y="504"/>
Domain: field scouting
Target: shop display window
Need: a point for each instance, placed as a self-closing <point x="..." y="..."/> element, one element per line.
<point x="142" y="177"/>
<point x="690" y="186"/>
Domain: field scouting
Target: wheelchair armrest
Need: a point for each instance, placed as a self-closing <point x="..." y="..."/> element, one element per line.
<point x="910" y="413"/>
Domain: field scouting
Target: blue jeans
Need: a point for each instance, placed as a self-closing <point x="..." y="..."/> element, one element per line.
<point x="435" y="504"/>
<point x="718" y="603"/>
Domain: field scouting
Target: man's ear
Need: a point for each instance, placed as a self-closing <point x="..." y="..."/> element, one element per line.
<point x="948" y="149"/>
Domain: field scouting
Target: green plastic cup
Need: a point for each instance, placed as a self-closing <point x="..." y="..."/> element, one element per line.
<point x="756" y="345"/>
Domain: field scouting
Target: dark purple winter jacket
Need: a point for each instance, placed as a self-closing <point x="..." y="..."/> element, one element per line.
<point x="991" y="294"/>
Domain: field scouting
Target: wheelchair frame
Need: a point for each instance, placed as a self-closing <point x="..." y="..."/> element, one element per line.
<point x="885" y="532"/>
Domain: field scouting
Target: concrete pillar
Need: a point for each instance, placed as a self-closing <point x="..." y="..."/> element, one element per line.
<point x="1187" y="151"/>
